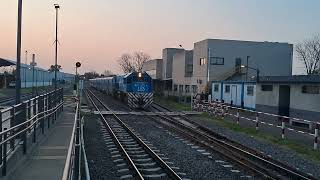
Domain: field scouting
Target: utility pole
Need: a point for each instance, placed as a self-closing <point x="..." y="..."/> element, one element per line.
<point x="33" y="64"/>
<point x="18" y="66"/>
<point x="56" y="6"/>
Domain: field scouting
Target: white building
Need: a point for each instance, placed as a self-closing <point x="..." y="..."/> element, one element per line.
<point x="227" y="57"/>
<point x="295" y="96"/>
<point x="235" y="93"/>
<point x="153" y="68"/>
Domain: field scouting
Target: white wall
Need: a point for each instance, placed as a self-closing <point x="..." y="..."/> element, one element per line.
<point x="216" y="95"/>
<point x="263" y="55"/>
<point x="250" y="101"/>
<point x="303" y="101"/>
<point x="268" y="98"/>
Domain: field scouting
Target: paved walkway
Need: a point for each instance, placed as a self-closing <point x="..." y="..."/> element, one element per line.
<point x="47" y="161"/>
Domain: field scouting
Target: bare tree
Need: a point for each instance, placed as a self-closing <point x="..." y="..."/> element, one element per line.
<point x="107" y="73"/>
<point x="91" y="75"/>
<point x="125" y="63"/>
<point x="52" y="67"/>
<point x="308" y="52"/>
<point x="129" y="63"/>
<point x="139" y="58"/>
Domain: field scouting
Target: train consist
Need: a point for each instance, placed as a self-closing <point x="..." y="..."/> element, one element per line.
<point x="135" y="88"/>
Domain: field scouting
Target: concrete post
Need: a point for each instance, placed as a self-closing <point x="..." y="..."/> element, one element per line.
<point x="4" y="155"/>
<point x="282" y="128"/>
<point x="257" y="121"/>
<point x="238" y="116"/>
<point x="316" y="135"/>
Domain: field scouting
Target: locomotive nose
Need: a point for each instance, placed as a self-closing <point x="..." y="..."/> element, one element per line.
<point x="140" y="101"/>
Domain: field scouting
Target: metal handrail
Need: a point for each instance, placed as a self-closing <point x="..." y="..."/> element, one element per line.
<point x="86" y="166"/>
<point x="68" y="164"/>
<point x="26" y="122"/>
<point x="24" y="118"/>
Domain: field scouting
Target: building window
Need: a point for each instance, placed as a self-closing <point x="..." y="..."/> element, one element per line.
<point x="202" y="61"/>
<point x="175" y="88"/>
<point x="187" y="88"/>
<point x="250" y="90"/>
<point x="311" y="89"/>
<point x="227" y="89"/>
<point x="189" y="67"/>
<point x="216" y="61"/>
<point x="194" y="88"/>
<point x="216" y="88"/>
<point x="180" y="88"/>
<point x="266" y="88"/>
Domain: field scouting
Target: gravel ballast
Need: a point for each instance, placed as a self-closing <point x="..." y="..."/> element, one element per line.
<point x="284" y="155"/>
<point x="100" y="163"/>
<point x="188" y="158"/>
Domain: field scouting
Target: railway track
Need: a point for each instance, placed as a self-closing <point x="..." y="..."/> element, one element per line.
<point x="258" y="163"/>
<point x="141" y="159"/>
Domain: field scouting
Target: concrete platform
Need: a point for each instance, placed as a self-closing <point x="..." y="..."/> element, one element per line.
<point x="47" y="160"/>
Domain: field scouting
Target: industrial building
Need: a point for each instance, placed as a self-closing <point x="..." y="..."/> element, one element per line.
<point x="228" y="58"/>
<point x="167" y="57"/>
<point x="153" y="68"/>
<point x="31" y="76"/>
<point x="182" y="66"/>
<point x="296" y="96"/>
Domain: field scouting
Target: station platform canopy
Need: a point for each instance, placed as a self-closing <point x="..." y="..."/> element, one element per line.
<point x="5" y="62"/>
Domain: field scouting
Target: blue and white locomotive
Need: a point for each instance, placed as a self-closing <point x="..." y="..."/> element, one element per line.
<point x="134" y="87"/>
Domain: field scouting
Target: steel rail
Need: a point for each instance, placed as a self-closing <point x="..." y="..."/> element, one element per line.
<point x="275" y="165"/>
<point x="170" y="172"/>
<point x="116" y="140"/>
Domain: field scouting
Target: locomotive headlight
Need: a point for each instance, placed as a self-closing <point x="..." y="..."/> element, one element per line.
<point x="140" y="75"/>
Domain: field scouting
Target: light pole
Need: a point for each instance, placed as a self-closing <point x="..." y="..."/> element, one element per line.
<point x="57" y="7"/>
<point x="25" y="71"/>
<point x="18" y="66"/>
<point x="78" y="64"/>
<point x="33" y="64"/>
<point x="256" y="69"/>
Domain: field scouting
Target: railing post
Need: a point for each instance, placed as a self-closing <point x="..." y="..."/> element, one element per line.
<point x="61" y="99"/>
<point x="24" y="134"/>
<point x="29" y="104"/>
<point x="47" y="109"/>
<point x="257" y="121"/>
<point x="55" y="104"/>
<point x="316" y="135"/>
<point x="41" y="110"/>
<point x="1" y="137"/>
<point x="282" y="128"/>
<point x="12" y="123"/>
<point x="4" y="155"/>
<point x="34" y="120"/>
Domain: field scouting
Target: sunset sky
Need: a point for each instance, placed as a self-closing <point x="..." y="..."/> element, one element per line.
<point x="97" y="32"/>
